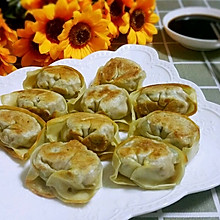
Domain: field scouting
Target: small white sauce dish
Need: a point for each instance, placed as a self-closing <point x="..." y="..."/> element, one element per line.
<point x="191" y="42"/>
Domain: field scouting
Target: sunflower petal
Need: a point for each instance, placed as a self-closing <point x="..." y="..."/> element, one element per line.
<point x="76" y="53"/>
<point x="150" y="28"/>
<point x="54" y="51"/>
<point x="21" y="46"/>
<point x="45" y="47"/>
<point x="49" y="11"/>
<point x="68" y="51"/>
<point x="125" y="27"/>
<point x="27" y="59"/>
<point x="141" y="37"/>
<point x="153" y="18"/>
<point x="132" y="37"/>
<point x="39" y="37"/>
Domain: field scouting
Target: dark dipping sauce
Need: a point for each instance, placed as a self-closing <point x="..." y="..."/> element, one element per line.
<point x="195" y="26"/>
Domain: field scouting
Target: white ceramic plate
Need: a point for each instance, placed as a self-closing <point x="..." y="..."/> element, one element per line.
<point x="189" y="42"/>
<point x="113" y="201"/>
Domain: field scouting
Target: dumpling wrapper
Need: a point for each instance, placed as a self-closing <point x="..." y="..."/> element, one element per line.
<point x="98" y="132"/>
<point x="122" y="72"/>
<point x="62" y="79"/>
<point x="147" y="163"/>
<point x="172" y="97"/>
<point x="109" y="100"/>
<point x="174" y="128"/>
<point x="45" y="103"/>
<point x="20" y="131"/>
<point x="67" y="171"/>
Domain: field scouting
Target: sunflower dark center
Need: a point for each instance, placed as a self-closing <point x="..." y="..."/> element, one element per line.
<point x="80" y="34"/>
<point x="116" y="8"/>
<point x="54" y="29"/>
<point x="137" y="19"/>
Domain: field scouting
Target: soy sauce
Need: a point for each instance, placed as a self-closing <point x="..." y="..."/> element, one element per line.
<point x="195" y="26"/>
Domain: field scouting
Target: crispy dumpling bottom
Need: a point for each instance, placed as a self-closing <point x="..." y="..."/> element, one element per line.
<point x="67" y="171"/>
<point x="147" y="163"/>
<point x="174" y="128"/>
<point x="20" y="130"/>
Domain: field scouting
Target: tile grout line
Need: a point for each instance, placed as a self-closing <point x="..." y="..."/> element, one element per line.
<point x="191" y="214"/>
<point x="162" y="215"/>
<point x="164" y="38"/>
<point x="216" y="200"/>
<point x="207" y="62"/>
<point x="207" y="4"/>
<point x="208" y="87"/>
<point x="181" y="3"/>
<point x="194" y="62"/>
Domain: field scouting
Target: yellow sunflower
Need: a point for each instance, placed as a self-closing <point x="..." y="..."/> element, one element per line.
<point x="117" y="10"/>
<point x="106" y="14"/>
<point x="7" y="35"/>
<point x="49" y="25"/>
<point x="85" y="33"/>
<point x="104" y="7"/>
<point x="6" y="61"/>
<point x="29" y="50"/>
<point x="142" y="19"/>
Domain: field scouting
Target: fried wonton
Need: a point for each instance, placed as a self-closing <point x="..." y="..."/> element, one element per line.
<point x="19" y="131"/>
<point x="170" y="97"/>
<point x="45" y="103"/>
<point x="67" y="171"/>
<point x="62" y="79"/>
<point x="109" y="100"/>
<point x="147" y="163"/>
<point x="171" y="127"/>
<point x="122" y="72"/>
<point x="98" y="132"/>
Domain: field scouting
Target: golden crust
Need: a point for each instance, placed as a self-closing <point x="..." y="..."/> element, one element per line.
<point x="45" y="103"/>
<point x="121" y="72"/>
<point x="141" y="145"/>
<point x="109" y="100"/>
<point x="98" y="132"/>
<point x="173" y="97"/>
<point x="59" y="72"/>
<point x="62" y="79"/>
<point x="67" y="171"/>
<point x="22" y="133"/>
<point x="147" y="163"/>
<point x="62" y="71"/>
<point x="170" y="127"/>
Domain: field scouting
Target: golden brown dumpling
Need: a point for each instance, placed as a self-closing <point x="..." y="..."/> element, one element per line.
<point x="174" y="128"/>
<point x="170" y="97"/>
<point x="19" y="131"/>
<point x="121" y="72"/>
<point x="109" y="100"/>
<point x="147" y="163"/>
<point x="98" y="132"/>
<point x="45" y="103"/>
<point x="62" y="79"/>
<point x="67" y="171"/>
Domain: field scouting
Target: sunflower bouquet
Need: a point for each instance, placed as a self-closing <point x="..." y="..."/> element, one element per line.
<point x="44" y="31"/>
